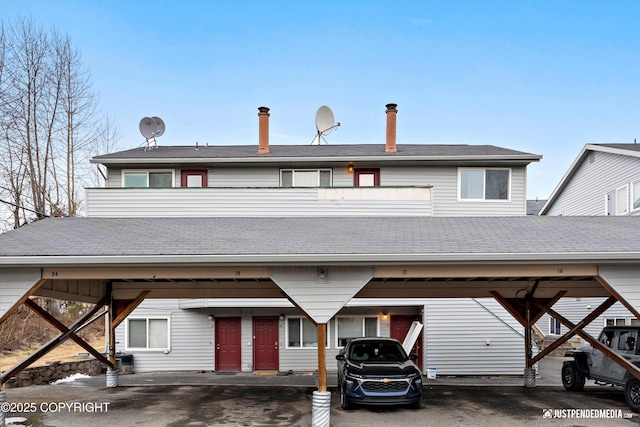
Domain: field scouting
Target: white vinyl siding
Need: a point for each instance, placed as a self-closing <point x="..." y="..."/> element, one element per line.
<point x="584" y="193"/>
<point x="191" y="339"/>
<point x="263" y="202"/>
<point x="576" y="309"/>
<point x="457" y="332"/>
<point x="15" y="283"/>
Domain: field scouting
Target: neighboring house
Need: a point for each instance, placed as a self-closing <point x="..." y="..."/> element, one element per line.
<point x="603" y="180"/>
<point x="467" y="336"/>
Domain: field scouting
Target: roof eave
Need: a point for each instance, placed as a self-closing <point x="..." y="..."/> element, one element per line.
<point x="279" y="159"/>
<point x="321" y="259"/>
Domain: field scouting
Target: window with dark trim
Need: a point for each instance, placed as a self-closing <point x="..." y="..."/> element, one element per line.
<point x="193" y="178"/>
<point x="366" y="177"/>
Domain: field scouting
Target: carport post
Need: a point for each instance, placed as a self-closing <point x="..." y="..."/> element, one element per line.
<point x="529" y="370"/>
<point x="112" y="373"/>
<point x="321" y="402"/>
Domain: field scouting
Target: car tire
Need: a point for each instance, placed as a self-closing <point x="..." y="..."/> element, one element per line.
<point x="572" y="377"/>
<point x="344" y="402"/>
<point x="632" y="394"/>
<point x="416" y="405"/>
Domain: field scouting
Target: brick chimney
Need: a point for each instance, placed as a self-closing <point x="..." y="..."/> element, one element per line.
<point x="391" y="128"/>
<point x="263" y="130"/>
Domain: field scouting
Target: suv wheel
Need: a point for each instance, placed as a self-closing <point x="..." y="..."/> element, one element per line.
<point x="632" y="394"/>
<point x="572" y="376"/>
<point x="344" y="402"/>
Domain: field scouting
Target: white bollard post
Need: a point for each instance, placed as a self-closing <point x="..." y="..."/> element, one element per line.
<point x="112" y="379"/>
<point x="321" y="409"/>
<point x="529" y="377"/>
<point x="3" y="399"/>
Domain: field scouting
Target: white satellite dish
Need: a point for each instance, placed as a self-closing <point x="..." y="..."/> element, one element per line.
<point x="159" y="124"/>
<point x="150" y="128"/>
<point x="324" y="124"/>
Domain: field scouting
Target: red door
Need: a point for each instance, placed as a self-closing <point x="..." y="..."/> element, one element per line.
<point x="265" y="343"/>
<point x="400" y="325"/>
<point x="228" y="353"/>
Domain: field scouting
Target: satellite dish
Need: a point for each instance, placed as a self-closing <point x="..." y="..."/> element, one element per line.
<point x="159" y="124"/>
<point x="324" y="123"/>
<point x="150" y="128"/>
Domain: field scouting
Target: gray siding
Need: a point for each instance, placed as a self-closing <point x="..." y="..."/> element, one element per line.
<point x="14" y="283"/>
<point x="201" y="202"/>
<point x="191" y="339"/>
<point x="456" y="333"/>
<point x="585" y="192"/>
<point x="444" y="180"/>
<point x="576" y="309"/>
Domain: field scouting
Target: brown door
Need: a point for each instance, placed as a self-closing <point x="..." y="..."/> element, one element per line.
<point x="228" y="344"/>
<point x="265" y="343"/>
<point x="193" y="178"/>
<point x="400" y="325"/>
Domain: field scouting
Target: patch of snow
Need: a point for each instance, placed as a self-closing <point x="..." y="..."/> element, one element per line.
<point x="70" y="379"/>
<point x="11" y="422"/>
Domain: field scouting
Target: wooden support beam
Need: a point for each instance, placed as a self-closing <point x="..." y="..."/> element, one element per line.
<point x="583" y="323"/>
<point x="620" y="360"/>
<point x="62" y="328"/>
<point x="518" y="309"/>
<point x="53" y="343"/>
<point x="123" y="313"/>
<point x="619" y="297"/>
<point x="322" y="357"/>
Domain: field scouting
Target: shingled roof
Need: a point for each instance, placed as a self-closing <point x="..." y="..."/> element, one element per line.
<point x="348" y="239"/>
<point x="315" y="152"/>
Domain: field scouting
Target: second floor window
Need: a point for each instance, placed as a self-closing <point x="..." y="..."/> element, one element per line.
<point x="618" y="201"/>
<point x="305" y="178"/>
<point x="150" y="179"/>
<point x="484" y="184"/>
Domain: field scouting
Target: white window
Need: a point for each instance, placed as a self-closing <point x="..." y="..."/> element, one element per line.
<point x="635" y="195"/>
<point x="305" y="178"/>
<point x="147" y="333"/>
<point x="355" y="327"/>
<point x="302" y="333"/>
<point x="618" y="201"/>
<point x="615" y="321"/>
<point x="555" y="328"/>
<point x="147" y="179"/>
<point x="484" y="184"/>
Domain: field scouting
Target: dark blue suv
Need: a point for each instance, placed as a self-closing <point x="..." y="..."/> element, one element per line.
<point x="377" y="371"/>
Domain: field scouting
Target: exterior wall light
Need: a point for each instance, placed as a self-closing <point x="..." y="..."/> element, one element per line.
<point x="350" y="168"/>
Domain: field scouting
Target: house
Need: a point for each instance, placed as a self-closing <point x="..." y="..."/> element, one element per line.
<point x="604" y="180"/>
<point x="270" y="180"/>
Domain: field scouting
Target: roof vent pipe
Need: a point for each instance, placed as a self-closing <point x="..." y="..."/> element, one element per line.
<point x="263" y="130"/>
<point x="391" y="128"/>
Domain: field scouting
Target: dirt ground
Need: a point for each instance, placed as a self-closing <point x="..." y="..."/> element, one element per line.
<point x="65" y="352"/>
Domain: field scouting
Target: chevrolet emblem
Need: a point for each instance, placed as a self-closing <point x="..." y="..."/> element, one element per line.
<point x="385" y="380"/>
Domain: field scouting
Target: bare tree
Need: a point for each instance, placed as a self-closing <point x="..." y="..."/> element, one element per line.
<point x="48" y="122"/>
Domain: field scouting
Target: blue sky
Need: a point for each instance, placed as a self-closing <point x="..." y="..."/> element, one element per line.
<point x="540" y="76"/>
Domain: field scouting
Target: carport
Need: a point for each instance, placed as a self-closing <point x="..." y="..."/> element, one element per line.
<point x="320" y="264"/>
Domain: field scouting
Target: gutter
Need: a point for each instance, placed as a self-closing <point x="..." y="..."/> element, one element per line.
<point x="327" y="259"/>
<point x="307" y="159"/>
